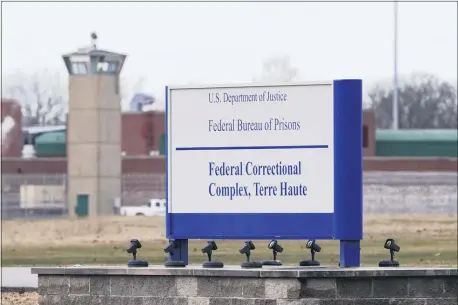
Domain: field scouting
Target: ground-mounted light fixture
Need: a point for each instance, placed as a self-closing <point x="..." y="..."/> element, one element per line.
<point x="208" y="249"/>
<point x="247" y="248"/>
<point x="314" y="248"/>
<point x="276" y="248"/>
<point x="390" y="244"/>
<point x="134" y="245"/>
<point x="170" y="248"/>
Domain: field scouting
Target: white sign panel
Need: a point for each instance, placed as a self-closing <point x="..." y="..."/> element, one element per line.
<point x="251" y="149"/>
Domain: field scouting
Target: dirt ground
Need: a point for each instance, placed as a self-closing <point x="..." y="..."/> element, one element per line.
<point x="115" y="230"/>
<point x="14" y="298"/>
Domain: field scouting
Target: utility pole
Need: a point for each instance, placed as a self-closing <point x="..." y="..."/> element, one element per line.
<point x="395" y="80"/>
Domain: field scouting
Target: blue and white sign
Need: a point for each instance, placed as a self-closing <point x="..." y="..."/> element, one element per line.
<point x="265" y="161"/>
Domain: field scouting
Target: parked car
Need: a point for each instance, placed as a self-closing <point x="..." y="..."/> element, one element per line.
<point x="155" y="207"/>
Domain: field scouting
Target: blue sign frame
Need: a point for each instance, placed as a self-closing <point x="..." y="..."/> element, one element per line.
<point x="345" y="224"/>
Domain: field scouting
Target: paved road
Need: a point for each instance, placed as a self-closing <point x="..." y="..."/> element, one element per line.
<point x="18" y="277"/>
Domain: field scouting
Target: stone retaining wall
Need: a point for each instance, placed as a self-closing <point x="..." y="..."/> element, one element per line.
<point x="233" y="286"/>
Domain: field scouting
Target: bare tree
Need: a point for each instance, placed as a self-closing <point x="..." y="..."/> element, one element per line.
<point x="425" y="102"/>
<point x="278" y="69"/>
<point x="43" y="97"/>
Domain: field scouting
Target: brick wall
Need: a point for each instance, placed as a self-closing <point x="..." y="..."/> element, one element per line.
<point x="141" y="132"/>
<point x="146" y="164"/>
<point x="13" y="142"/>
<point x="143" y="164"/>
<point x="237" y="287"/>
<point x="368" y="133"/>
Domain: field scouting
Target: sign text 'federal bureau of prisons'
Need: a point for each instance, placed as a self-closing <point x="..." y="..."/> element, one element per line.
<point x="251" y="149"/>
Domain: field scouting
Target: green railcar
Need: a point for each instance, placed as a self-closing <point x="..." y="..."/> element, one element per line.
<point x="416" y="143"/>
<point x="51" y="144"/>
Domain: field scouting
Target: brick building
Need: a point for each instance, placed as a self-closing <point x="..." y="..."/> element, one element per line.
<point x="11" y="118"/>
<point x="142" y="133"/>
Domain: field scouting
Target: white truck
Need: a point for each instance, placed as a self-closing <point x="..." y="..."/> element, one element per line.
<point x="155" y="207"/>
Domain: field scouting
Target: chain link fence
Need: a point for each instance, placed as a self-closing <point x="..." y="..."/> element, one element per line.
<point x="33" y="196"/>
<point x="138" y="189"/>
<point x="410" y="193"/>
<point x="44" y="196"/>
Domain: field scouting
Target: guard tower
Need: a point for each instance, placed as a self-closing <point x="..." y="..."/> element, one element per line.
<point x="93" y="130"/>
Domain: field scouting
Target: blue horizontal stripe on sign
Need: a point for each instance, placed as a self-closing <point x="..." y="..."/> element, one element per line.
<point x="251" y="225"/>
<point x="253" y="147"/>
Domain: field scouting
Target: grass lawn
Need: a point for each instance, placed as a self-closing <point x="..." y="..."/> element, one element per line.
<point x="429" y="240"/>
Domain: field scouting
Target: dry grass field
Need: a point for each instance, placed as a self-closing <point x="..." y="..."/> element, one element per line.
<point x="427" y="240"/>
<point x="424" y="240"/>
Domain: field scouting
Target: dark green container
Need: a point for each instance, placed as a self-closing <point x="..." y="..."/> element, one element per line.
<point x="82" y="205"/>
<point x="51" y="144"/>
<point x="416" y="143"/>
<point x="162" y="144"/>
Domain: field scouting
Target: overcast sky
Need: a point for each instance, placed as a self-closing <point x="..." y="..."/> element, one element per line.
<point x="181" y="43"/>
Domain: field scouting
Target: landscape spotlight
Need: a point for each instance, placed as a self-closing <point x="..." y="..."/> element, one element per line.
<point x="209" y="248"/>
<point x="276" y="248"/>
<point x="390" y="244"/>
<point x="134" y="245"/>
<point x="171" y="247"/>
<point x="314" y="247"/>
<point x="247" y="248"/>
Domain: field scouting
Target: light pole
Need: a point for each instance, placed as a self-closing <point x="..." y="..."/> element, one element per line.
<point x="395" y="80"/>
